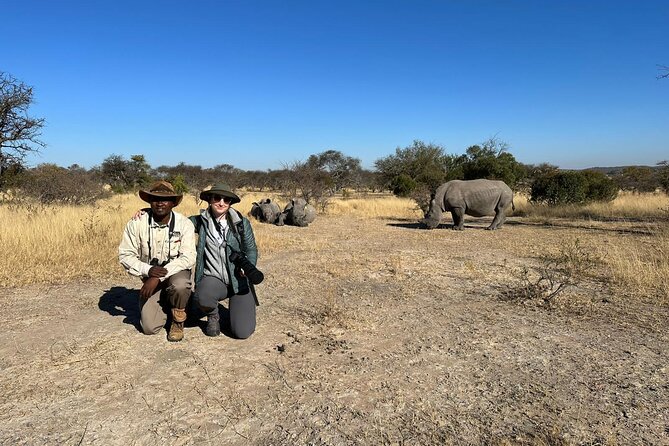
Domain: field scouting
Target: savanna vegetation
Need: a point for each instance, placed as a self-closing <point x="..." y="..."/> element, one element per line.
<point x="85" y="209"/>
<point x="80" y="242"/>
<point x="551" y="331"/>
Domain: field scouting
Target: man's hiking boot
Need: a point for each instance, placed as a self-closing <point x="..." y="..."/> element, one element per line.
<point x="213" y="324"/>
<point x="177" y="328"/>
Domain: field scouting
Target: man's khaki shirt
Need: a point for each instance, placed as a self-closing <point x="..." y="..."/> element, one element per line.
<point x="142" y="242"/>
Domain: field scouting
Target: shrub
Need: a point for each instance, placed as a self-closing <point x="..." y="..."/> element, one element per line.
<point x="558" y="188"/>
<point x="599" y="187"/>
<point x="572" y="187"/>
<point x="179" y="183"/>
<point x="49" y="183"/>
<point x="402" y="185"/>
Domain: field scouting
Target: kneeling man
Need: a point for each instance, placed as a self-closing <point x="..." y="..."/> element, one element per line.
<point x="159" y="248"/>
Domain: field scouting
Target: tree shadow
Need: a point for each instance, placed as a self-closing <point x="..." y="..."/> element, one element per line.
<point x="121" y="301"/>
<point x="575" y="224"/>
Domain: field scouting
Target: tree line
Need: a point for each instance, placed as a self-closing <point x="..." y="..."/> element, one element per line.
<point x="414" y="171"/>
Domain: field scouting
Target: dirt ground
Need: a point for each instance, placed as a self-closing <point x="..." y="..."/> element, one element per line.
<point x="370" y="332"/>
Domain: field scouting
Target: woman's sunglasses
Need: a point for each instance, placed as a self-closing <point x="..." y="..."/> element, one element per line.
<point x="216" y="198"/>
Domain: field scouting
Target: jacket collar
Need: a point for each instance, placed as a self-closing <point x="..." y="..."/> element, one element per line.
<point x="233" y="216"/>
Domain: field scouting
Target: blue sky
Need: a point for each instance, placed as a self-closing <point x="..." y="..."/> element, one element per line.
<point x="259" y="84"/>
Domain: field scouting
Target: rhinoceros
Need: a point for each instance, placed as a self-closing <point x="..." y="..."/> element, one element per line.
<point x="265" y="211"/>
<point x="473" y="197"/>
<point x="297" y="213"/>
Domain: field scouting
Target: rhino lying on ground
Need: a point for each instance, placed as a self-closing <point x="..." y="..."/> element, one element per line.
<point x="265" y="211"/>
<point x="297" y="213"/>
<point x="474" y="197"/>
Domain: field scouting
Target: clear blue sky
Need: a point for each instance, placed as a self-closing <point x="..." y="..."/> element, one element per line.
<point x="257" y="84"/>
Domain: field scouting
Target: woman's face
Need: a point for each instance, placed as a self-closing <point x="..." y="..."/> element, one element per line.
<point x="219" y="204"/>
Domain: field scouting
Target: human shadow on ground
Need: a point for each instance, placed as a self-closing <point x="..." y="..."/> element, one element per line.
<point x="121" y="301"/>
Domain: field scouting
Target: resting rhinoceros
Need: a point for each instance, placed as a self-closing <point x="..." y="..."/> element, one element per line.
<point x="297" y="213"/>
<point x="474" y="197"/>
<point x="265" y="211"/>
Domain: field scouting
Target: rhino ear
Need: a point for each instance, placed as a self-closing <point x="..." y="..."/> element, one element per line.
<point x="432" y="195"/>
<point x="254" y="204"/>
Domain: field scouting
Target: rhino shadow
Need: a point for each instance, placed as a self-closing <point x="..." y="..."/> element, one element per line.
<point x="422" y="226"/>
<point x="121" y="301"/>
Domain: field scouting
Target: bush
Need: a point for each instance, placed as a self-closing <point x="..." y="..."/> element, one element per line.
<point x="572" y="187"/>
<point x="418" y="164"/>
<point x="179" y="184"/>
<point x="492" y="161"/>
<point x="49" y="183"/>
<point x="402" y="185"/>
<point x="599" y="187"/>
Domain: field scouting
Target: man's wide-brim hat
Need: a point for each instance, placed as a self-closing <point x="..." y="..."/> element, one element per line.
<point x="220" y="189"/>
<point x="160" y="189"/>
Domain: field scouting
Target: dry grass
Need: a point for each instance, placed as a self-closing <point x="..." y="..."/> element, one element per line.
<point x="640" y="265"/>
<point x="626" y="206"/>
<point x="59" y="244"/>
<point x="385" y="206"/>
<point x="369" y="332"/>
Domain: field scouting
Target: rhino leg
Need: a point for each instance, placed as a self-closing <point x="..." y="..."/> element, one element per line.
<point x="498" y="221"/>
<point x="458" y="219"/>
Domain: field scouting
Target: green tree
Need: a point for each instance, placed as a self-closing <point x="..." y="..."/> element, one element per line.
<point x="637" y="179"/>
<point x="599" y="187"/>
<point x="179" y="183"/>
<point x="19" y="133"/>
<point x="414" y="166"/>
<point x="492" y="160"/>
<point x="335" y="168"/>
<point x="572" y="187"/>
<point x="125" y="175"/>
<point x="560" y="187"/>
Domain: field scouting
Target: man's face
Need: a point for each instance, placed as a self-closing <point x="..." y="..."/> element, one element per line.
<point x="161" y="207"/>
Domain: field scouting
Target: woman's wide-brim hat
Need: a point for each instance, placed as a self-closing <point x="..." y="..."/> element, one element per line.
<point x="220" y="189"/>
<point x="160" y="189"/>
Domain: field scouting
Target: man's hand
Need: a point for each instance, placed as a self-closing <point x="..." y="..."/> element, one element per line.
<point x="149" y="287"/>
<point x="137" y="215"/>
<point x="157" y="271"/>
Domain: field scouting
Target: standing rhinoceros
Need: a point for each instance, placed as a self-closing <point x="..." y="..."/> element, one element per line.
<point x="474" y="197"/>
<point x="297" y="213"/>
<point x="265" y="211"/>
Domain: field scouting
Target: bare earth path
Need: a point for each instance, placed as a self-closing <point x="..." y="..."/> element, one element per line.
<point x="369" y="332"/>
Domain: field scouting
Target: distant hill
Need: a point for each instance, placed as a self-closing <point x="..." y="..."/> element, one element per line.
<point x="614" y="170"/>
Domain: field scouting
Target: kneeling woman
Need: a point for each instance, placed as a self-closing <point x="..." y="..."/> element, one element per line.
<point x="223" y="231"/>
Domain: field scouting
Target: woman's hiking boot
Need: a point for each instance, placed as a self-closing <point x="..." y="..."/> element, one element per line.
<point x="213" y="324"/>
<point x="177" y="328"/>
